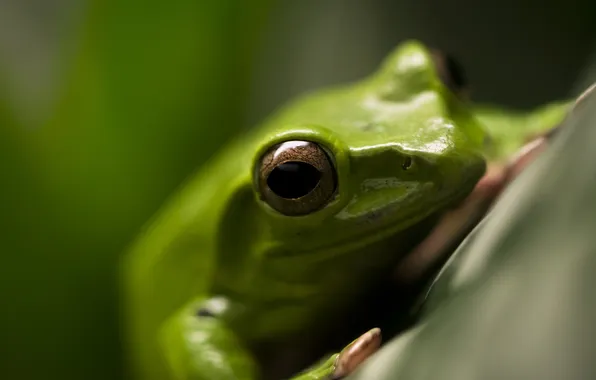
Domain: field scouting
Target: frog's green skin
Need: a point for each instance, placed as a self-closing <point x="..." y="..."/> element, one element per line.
<point x="263" y="276"/>
<point x="510" y="129"/>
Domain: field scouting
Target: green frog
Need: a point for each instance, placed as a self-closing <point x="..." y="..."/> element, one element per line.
<point x="275" y="242"/>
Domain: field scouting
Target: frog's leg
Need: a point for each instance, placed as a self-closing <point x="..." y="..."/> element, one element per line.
<point x="340" y="365"/>
<point x="198" y="345"/>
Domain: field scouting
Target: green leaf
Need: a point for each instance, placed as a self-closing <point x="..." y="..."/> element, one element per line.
<point x="148" y="91"/>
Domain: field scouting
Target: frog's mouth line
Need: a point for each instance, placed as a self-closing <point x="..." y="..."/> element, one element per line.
<point x="367" y="237"/>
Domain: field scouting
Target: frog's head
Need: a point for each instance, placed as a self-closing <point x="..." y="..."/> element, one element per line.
<point x="369" y="159"/>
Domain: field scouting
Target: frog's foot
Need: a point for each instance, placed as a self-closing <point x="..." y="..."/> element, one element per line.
<point x="197" y="344"/>
<point x="356" y="353"/>
<point x="347" y="361"/>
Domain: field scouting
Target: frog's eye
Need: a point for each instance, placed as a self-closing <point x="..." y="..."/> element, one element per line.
<point x="450" y="72"/>
<point x="296" y="178"/>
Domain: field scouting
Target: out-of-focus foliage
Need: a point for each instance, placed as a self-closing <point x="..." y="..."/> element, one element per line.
<point x="147" y="91"/>
<point x="519" y="53"/>
<point x="516" y="301"/>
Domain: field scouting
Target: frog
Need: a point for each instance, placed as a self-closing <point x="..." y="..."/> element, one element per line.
<point x="277" y="239"/>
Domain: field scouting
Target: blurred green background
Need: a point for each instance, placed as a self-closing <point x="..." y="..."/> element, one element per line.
<point x="106" y="106"/>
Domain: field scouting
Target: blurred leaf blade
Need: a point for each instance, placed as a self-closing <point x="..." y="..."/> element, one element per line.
<point x="516" y="300"/>
<point x="149" y="92"/>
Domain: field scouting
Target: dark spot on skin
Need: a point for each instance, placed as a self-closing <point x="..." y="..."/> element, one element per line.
<point x="407" y="163"/>
<point x="367" y="127"/>
<point x="205" y="313"/>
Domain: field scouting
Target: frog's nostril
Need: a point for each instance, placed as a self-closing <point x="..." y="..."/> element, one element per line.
<point x="292" y="180"/>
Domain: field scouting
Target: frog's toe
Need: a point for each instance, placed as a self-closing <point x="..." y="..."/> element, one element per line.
<point x="357" y="352"/>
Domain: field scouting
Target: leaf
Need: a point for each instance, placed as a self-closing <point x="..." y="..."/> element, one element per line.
<point x="149" y="91"/>
<point x="516" y="299"/>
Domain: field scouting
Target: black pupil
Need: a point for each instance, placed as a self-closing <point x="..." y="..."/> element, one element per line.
<point x="293" y="180"/>
<point x="456" y="71"/>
